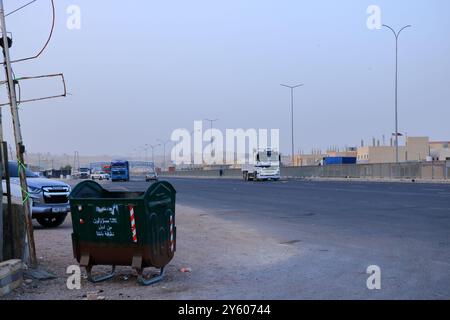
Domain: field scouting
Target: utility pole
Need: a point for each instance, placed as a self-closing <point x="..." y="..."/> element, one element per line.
<point x="292" y="118"/>
<point x="20" y="148"/>
<point x="3" y="168"/>
<point x="396" y="34"/>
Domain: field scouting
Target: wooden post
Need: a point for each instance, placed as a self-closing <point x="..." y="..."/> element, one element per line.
<point x="20" y="148"/>
<point x="1" y="210"/>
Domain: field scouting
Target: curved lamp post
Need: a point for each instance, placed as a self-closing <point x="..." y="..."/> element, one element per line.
<point x="396" y="34"/>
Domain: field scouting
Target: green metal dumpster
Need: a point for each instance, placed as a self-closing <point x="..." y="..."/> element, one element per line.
<point x="119" y="228"/>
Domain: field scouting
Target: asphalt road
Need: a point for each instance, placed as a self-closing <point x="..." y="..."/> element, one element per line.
<point x="340" y="228"/>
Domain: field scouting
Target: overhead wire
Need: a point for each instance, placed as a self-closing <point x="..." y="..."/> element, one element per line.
<point x="16" y="80"/>
<point x="20" y="8"/>
<point x="49" y="36"/>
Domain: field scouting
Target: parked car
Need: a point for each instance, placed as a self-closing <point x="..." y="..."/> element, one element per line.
<point x="151" y="176"/>
<point x="50" y="198"/>
<point x="100" y="176"/>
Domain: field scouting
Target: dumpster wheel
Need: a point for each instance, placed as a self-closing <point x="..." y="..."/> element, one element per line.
<point x="146" y="282"/>
<point x="99" y="278"/>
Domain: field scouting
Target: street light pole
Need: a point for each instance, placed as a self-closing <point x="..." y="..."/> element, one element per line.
<point x="153" y="152"/>
<point x="163" y="143"/>
<point x="192" y="149"/>
<point x="146" y="146"/>
<point x="292" y="117"/>
<point x="396" y="34"/>
<point x="138" y="153"/>
<point x="211" y="123"/>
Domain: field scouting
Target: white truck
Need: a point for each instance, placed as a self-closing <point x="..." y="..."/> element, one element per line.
<point x="266" y="166"/>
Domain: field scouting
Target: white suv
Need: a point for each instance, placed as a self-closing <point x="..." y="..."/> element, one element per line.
<point x="50" y="198"/>
<point x="100" y="176"/>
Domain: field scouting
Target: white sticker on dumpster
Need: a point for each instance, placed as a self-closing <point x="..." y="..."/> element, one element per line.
<point x="112" y="210"/>
<point x="105" y="224"/>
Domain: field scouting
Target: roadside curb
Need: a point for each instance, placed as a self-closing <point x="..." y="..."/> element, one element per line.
<point x="11" y="276"/>
<point x="374" y="180"/>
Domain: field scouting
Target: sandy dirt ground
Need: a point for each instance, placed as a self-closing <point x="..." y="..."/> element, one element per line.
<point x="226" y="261"/>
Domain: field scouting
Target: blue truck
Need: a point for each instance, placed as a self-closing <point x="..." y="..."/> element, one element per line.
<point x="120" y="170"/>
<point x="338" y="160"/>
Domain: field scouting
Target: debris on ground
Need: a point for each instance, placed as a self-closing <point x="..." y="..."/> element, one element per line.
<point x="91" y="296"/>
<point x="94" y="295"/>
<point x="181" y="282"/>
<point x="39" y="274"/>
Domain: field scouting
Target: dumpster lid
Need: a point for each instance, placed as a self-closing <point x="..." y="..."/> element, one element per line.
<point x="91" y="189"/>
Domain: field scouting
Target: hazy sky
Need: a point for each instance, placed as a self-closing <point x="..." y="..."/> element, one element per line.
<point x="137" y="70"/>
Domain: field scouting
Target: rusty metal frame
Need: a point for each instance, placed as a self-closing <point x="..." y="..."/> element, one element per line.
<point x="99" y="278"/>
<point x="64" y="94"/>
<point x="147" y="282"/>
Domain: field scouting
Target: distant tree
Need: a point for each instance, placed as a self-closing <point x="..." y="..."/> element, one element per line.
<point x="66" y="168"/>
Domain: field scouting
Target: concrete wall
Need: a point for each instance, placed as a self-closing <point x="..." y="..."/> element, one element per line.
<point x="423" y="170"/>
<point x="205" y="173"/>
<point x="427" y="171"/>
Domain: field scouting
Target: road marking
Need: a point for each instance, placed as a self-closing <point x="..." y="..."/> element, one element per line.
<point x="431" y="189"/>
<point x="290" y="242"/>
